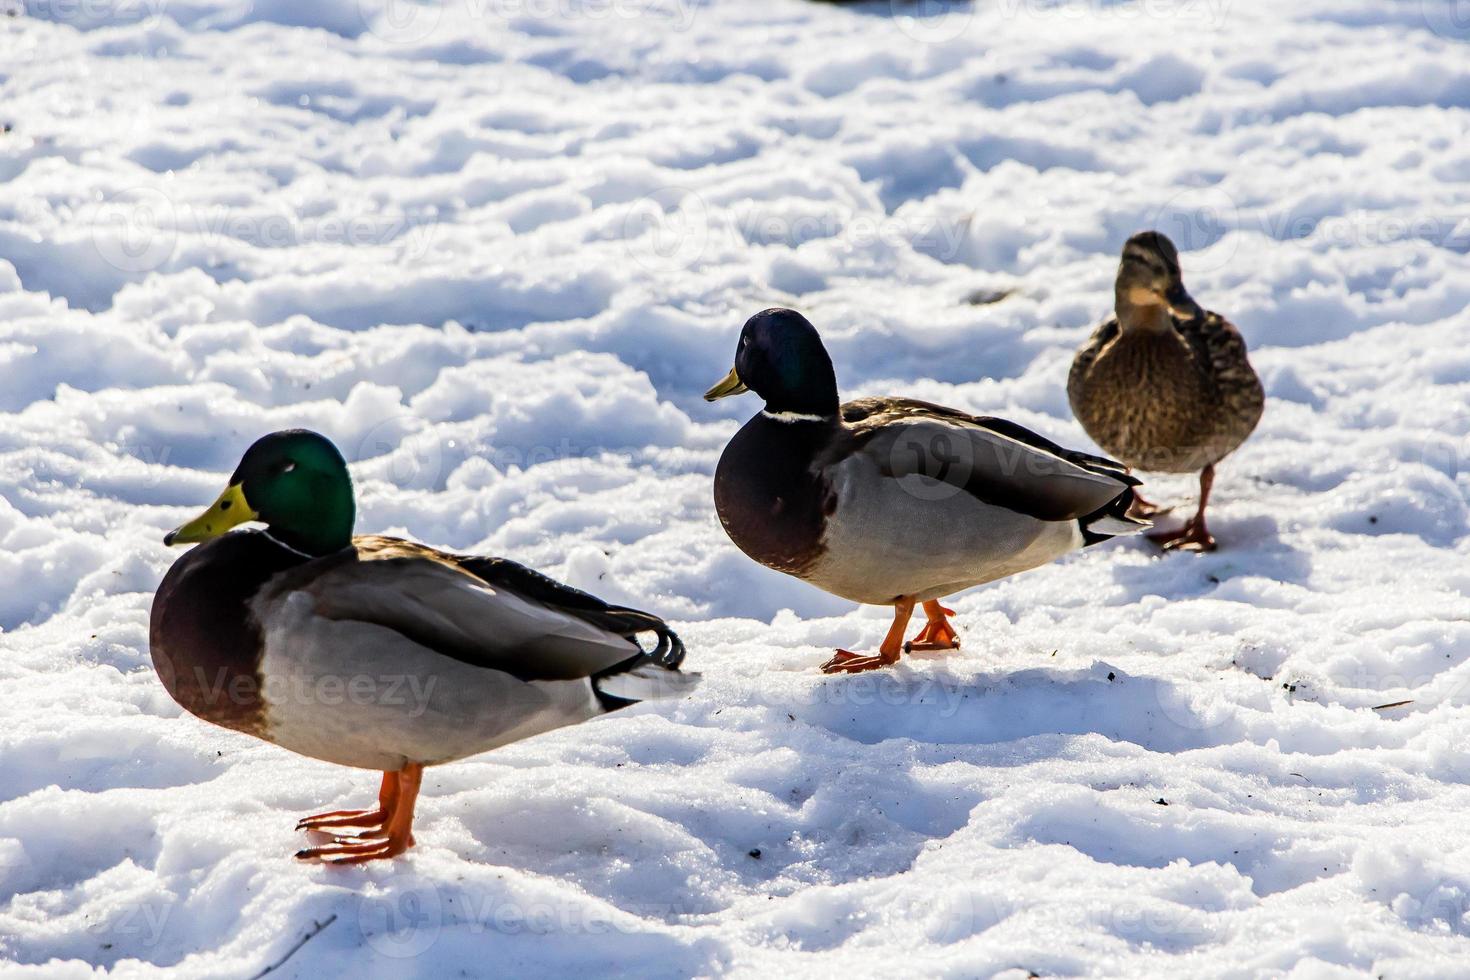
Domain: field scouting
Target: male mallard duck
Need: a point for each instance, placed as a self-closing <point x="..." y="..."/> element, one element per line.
<point x="1165" y="385"/>
<point x="892" y="501"/>
<point x="377" y="652"/>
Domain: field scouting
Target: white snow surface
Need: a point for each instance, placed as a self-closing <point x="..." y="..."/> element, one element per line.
<point x="497" y="249"/>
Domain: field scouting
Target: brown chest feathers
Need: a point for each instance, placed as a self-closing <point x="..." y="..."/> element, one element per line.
<point x="770" y="499"/>
<point x="206" y="645"/>
<point x="1162" y="401"/>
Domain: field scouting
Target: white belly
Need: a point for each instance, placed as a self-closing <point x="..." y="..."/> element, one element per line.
<point x="918" y="537"/>
<point x="357" y="694"/>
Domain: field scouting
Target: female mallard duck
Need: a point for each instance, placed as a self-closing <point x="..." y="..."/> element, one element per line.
<point x="377" y="652"/>
<point x="1165" y="385"/>
<point x="892" y="501"/>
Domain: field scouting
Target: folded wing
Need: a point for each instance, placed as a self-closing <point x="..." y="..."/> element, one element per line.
<point x="995" y="460"/>
<point x="485" y="611"/>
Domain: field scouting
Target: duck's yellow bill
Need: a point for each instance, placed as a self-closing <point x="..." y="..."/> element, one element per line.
<point x="230" y="509"/>
<point x="1146" y="296"/>
<point x="732" y="385"/>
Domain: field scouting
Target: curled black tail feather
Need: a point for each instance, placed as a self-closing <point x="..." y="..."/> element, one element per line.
<point x="668" y="651"/>
<point x="627" y="623"/>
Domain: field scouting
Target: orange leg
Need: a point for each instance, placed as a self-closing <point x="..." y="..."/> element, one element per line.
<point x="888" y="653"/>
<point x="1194" y="535"/>
<point x="937" y="633"/>
<point x="396" y="831"/>
<point x="387" y="799"/>
<point x="1147" y="508"/>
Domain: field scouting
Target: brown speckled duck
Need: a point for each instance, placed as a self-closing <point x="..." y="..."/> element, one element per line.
<point x="1165" y="385"/>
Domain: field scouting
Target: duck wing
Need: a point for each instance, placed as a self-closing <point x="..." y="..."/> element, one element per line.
<point x="487" y="612"/>
<point x="995" y="460"/>
<point x="1085" y="357"/>
<point x="620" y="620"/>
<point x="1220" y="349"/>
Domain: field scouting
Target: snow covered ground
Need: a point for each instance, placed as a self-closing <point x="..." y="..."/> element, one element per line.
<point x="497" y="248"/>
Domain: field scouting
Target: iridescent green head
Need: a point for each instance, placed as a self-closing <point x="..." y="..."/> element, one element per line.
<point x="296" y="483"/>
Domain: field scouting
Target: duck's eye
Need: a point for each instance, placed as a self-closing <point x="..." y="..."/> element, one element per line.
<point x="288" y="466"/>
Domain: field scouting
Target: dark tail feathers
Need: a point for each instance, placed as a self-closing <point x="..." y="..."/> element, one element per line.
<point x="641" y="678"/>
<point x="1113" y="519"/>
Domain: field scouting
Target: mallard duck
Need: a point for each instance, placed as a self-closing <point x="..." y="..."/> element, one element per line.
<point x="1165" y="385"/>
<point x="376" y="652"/>
<point x="894" y="501"/>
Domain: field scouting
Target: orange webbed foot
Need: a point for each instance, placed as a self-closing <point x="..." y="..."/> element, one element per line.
<point x="388" y="794"/>
<point x="344" y="818"/>
<point x="1147" y="508"/>
<point x="938" y="633"/>
<point x="841" y="657"/>
<point x="920" y="645"/>
<point x="344" y="850"/>
<point x="1193" y="537"/>
<point x="358" y="836"/>
<point x="387" y="831"/>
<point x="847" y="662"/>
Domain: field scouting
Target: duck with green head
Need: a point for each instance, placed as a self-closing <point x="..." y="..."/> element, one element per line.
<point x="1165" y="385"/>
<point x="895" y="501"/>
<point x="377" y="652"/>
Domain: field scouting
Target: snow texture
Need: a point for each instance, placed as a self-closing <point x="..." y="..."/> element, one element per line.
<point x="496" y="250"/>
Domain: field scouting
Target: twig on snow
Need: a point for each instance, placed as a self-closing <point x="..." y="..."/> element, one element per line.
<point x="312" y="933"/>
